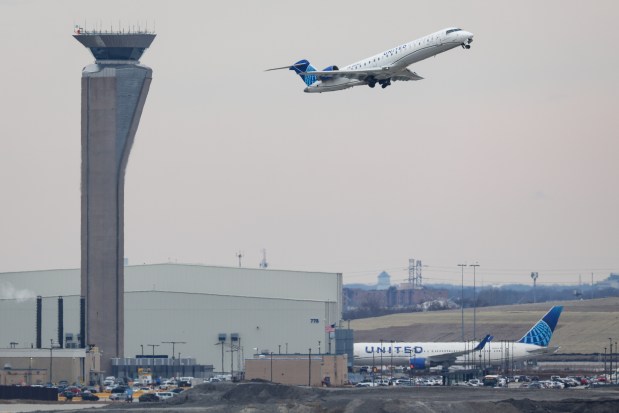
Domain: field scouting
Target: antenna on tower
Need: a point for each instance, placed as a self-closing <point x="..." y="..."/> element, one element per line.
<point x="264" y="264"/>
<point x="578" y="293"/>
<point x="534" y="276"/>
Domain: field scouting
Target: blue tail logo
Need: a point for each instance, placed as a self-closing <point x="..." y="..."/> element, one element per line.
<point x="301" y="68"/>
<point x="541" y="333"/>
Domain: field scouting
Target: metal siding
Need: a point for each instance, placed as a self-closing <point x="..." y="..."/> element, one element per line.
<point x="267" y="308"/>
<point x="153" y="317"/>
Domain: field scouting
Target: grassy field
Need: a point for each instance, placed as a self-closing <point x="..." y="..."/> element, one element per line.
<point x="584" y="326"/>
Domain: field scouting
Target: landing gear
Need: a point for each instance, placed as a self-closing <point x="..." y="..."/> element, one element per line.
<point x="384" y="83"/>
<point x="466" y="46"/>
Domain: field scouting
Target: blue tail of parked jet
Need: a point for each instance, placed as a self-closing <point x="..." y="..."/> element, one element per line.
<point x="301" y="68"/>
<point x="541" y="333"/>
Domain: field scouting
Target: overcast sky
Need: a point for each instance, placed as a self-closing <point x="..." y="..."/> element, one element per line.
<point x="506" y="154"/>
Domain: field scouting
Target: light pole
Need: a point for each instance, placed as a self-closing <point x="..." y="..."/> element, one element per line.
<point x="51" y="347"/>
<point x="610" y="358"/>
<point x="391" y="364"/>
<point x="318" y="346"/>
<point x="381" y="361"/>
<point x="142" y="345"/>
<point x="474" y="301"/>
<point x="173" y="343"/>
<point x="604" y="360"/>
<point x="373" y="364"/>
<point x="30" y="372"/>
<point x="271" y="367"/>
<point x="309" y="382"/>
<point x="279" y="346"/>
<point x="153" y="346"/>
<point x="462" y="299"/>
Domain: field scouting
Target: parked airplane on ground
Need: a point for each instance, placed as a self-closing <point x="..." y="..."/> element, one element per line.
<point x="383" y="67"/>
<point x="423" y="355"/>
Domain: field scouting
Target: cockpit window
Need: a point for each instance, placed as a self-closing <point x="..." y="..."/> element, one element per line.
<point x="452" y="30"/>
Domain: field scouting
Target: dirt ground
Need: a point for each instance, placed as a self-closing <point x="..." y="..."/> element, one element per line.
<point x="275" y="398"/>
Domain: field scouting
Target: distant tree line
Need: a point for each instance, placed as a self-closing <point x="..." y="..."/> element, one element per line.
<point x="486" y="297"/>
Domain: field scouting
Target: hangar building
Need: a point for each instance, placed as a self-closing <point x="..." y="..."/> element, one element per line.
<point x="217" y="315"/>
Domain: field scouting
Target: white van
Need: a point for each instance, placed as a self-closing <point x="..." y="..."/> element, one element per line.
<point x="164" y="395"/>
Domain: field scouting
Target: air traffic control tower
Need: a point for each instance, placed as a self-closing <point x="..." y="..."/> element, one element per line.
<point x="114" y="90"/>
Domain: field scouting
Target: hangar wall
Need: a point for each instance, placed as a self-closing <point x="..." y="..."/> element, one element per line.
<point x="270" y="310"/>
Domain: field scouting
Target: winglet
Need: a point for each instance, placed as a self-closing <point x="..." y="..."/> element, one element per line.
<point x="483" y="343"/>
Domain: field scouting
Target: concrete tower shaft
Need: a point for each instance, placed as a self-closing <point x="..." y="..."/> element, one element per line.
<point x="114" y="91"/>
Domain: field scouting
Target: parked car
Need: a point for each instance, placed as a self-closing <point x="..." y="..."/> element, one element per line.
<point x="68" y="394"/>
<point x="177" y="390"/>
<point x="164" y="395"/>
<point x="366" y="383"/>
<point x="119" y="389"/>
<point x="148" y="397"/>
<point x="116" y="396"/>
<point x="90" y="397"/>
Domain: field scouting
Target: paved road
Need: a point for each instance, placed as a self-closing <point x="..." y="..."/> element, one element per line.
<point x="23" y="407"/>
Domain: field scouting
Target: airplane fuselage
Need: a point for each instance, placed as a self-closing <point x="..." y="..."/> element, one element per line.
<point x="396" y="59"/>
<point x="417" y="353"/>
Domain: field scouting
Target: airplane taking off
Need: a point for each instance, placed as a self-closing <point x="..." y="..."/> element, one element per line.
<point x="423" y="355"/>
<point x="381" y="68"/>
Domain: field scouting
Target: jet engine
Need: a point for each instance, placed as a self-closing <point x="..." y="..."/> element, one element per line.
<point x="418" y="363"/>
<point x="328" y="69"/>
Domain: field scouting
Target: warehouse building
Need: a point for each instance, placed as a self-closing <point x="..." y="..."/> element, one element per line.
<point x="216" y="315"/>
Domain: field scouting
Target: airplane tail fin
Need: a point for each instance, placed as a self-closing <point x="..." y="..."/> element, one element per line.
<point x="301" y="68"/>
<point x="541" y="333"/>
<point x="483" y="342"/>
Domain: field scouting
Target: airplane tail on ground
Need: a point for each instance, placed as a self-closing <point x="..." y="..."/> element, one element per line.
<point x="541" y="333"/>
<point x="483" y="343"/>
<point x="301" y="68"/>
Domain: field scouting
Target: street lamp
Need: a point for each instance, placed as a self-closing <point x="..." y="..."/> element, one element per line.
<point x="610" y="358"/>
<point x="391" y="364"/>
<point x="153" y="346"/>
<point x="474" y="301"/>
<point x="373" y="364"/>
<point x="271" y="367"/>
<point x="51" y="347"/>
<point x="173" y="343"/>
<point x="462" y="299"/>
<point x="381" y="360"/>
<point x="309" y="383"/>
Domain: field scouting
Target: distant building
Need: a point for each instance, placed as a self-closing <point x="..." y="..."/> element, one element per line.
<point x="392" y="298"/>
<point x="611" y="282"/>
<point x="384" y="281"/>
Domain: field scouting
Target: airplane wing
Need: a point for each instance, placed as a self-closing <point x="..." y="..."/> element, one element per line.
<point x="406" y="75"/>
<point x="383" y="73"/>
<point x="451" y="357"/>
